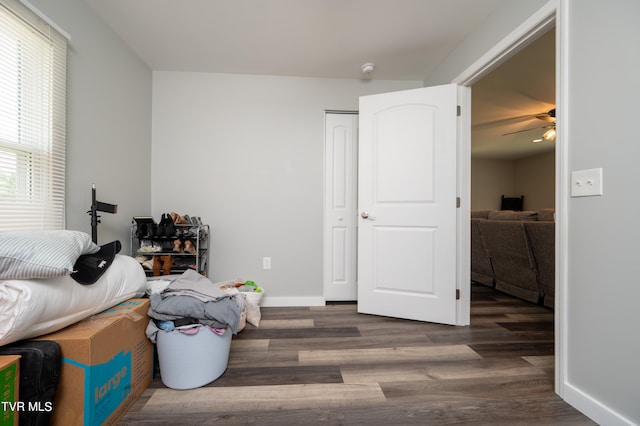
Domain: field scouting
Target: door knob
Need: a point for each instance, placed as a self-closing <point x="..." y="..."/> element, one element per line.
<point x="364" y="215"/>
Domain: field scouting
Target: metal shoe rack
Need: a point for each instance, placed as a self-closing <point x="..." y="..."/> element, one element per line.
<point x="149" y="246"/>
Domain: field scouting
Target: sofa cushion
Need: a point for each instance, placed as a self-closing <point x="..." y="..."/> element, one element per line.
<point x="547" y="215"/>
<point x="481" y="269"/>
<point x="480" y="214"/>
<point x="513" y="215"/>
<point x="541" y="237"/>
<point x="511" y="257"/>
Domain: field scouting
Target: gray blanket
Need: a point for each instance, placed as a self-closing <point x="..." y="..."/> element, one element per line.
<point x="223" y="312"/>
<point x="191" y="283"/>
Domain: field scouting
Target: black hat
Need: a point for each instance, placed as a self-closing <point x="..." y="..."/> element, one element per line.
<point x="89" y="267"/>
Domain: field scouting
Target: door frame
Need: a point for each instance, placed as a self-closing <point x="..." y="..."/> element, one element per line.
<point x="537" y="24"/>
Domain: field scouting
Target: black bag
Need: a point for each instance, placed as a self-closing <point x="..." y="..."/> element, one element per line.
<point x="40" y="365"/>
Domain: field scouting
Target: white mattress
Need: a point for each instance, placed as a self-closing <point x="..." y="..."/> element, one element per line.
<point x="31" y="308"/>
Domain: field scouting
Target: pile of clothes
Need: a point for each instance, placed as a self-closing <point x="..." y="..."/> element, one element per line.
<point x="190" y="301"/>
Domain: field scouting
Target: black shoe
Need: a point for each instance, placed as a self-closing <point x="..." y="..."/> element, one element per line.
<point x="151" y="229"/>
<point x="160" y="229"/>
<point x="169" y="227"/>
<point x="141" y="230"/>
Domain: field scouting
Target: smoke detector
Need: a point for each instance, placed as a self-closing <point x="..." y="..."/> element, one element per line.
<point x="368" y="68"/>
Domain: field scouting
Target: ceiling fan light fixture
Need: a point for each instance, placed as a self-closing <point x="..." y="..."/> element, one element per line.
<point x="550" y="134"/>
<point x="537" y="140"/>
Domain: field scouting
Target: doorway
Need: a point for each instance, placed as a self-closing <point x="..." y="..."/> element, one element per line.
<point x="539" y="23"/>
<point x="513" y="108"/>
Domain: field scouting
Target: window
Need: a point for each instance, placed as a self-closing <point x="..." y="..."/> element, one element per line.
<point x="32" y="120"/>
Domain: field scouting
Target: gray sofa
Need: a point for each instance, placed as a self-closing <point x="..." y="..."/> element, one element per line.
<point x="515" y="253"/>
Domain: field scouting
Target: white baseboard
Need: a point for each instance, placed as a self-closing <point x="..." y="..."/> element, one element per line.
<point x="593" y="408"/>
<point x="272" y="302"/>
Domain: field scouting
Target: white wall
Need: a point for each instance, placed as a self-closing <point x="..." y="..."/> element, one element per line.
<point x="599" y="291"/>
<point x="602" y="264"/>
<point x="108" y="122"/>
<point x="246" y="153"/>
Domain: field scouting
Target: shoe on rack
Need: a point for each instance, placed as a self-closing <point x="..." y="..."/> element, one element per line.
<point x="177" y="219"/>
<point x="151" y="229"/>
<point x="141" y="230"/>
<point x="167" y="264"/>
<point x="160" y="229"/>
<point x="189" y="247"/>
<point x="177" y="246"/>
<point x="157" y="265"/>
<point x="169" y="227"/>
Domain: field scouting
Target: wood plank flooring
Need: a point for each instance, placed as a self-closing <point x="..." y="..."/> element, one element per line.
<point x="330" y="365"/>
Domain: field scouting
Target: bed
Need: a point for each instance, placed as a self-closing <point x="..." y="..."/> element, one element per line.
<point x="40" y="297"/>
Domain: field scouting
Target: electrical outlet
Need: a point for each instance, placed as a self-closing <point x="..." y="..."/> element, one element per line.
<point x="266" y="263"/>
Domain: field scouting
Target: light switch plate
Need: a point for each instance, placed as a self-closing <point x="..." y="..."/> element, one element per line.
<point x="586" y="183"/>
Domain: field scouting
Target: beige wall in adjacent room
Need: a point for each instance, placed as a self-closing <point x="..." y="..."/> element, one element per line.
<point x="489" y="180"/>
<point x="534" y="177"/>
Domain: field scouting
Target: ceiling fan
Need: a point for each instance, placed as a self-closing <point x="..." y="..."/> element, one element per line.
<point x="550" y="134"/>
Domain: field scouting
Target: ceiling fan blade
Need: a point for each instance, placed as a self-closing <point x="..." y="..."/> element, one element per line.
<point x="545" y="117"/>
<point x="528" y="130"/>
<point x="548" y="116"/>
<point x="503" y="121"/>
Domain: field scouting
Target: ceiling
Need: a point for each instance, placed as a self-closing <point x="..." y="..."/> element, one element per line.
<point x="508" y="100"/>
<point x="405" y="39"/>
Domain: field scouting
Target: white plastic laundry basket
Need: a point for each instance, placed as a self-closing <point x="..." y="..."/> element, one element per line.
<point x="190" y="361"/>
<point x="254" y="297"/>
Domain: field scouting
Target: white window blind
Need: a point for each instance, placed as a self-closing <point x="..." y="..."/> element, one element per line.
<point x="33" y="58"/>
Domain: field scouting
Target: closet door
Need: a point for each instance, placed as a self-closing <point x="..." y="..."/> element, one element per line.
<point x="340" y="224"/>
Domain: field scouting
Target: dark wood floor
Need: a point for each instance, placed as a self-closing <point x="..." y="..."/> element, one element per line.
<point x="331" y="365"/>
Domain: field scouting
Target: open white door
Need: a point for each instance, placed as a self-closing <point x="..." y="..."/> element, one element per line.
<point x="407" y="204"/>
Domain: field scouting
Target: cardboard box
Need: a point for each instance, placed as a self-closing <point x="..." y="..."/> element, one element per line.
<point x="107" y="362"/>
<point x="9" y="387"/>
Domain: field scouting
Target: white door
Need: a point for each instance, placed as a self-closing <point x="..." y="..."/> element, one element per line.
<point x="407" y="204"/>
<point x="340" y="223"/>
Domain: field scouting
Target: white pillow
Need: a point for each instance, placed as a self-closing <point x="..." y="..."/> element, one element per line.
<point x="41" y="254"/>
